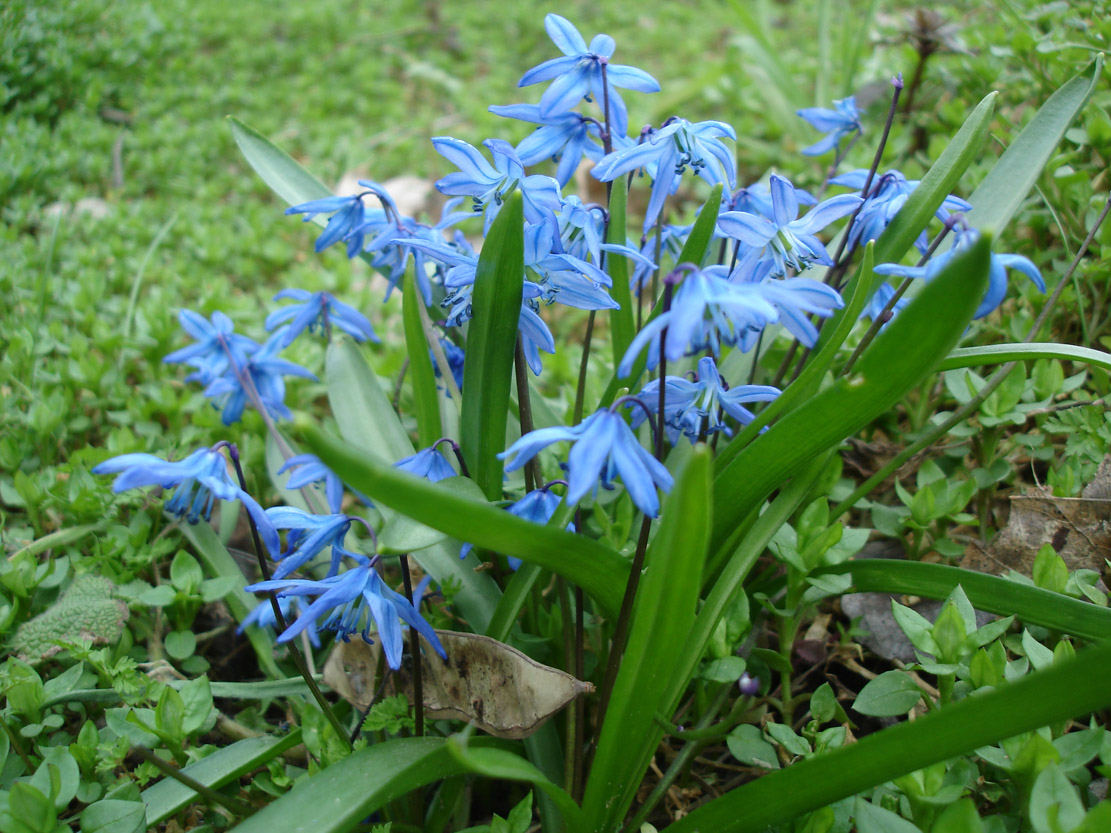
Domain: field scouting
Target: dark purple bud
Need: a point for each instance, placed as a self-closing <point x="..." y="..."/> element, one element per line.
<point x="749" y="685"/>
<point x="897" y="81"/>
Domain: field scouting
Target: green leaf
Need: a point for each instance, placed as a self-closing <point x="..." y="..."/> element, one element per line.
<point x="1068" y="689"/>
<point x="353" y="788"/>
<point x="1002" y="353"/>
<point x="891" y="694"/>
<point x="185" y="573"/>
<point x="114" y="816"/>
<point x="904" y="352"/>
<point x="196" y="696"/>
<point x="401" y="534"/>
<point x="32" y="811"/>
<point x="937" y="184"/>
<point x="1032" y="605"/>
<point x="599" y="570"/>
<point x="873" y="819"/>
<point x="1054" y="802"/>
<point x="284" y="174"/>
<point x="622" y="326"/>
<point x="181" y="644"/>
<point x="168" y="796"/>
<point x="1002" y="191"/>
<point x="663" y="614"/>
<point x="749" y="746"/>
<point x="959" y="818"/>
<point x="426" y="399"/>
<point x="491" y="344"/>
<point x="364" y="413"/>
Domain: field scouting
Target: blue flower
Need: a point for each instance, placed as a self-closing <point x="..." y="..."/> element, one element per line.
<point x="997" y="274"/>
<point x="707" y="310"/>
<point x="348" y="602"/>
<point x="455" y="357"/>
<point x="604" y="447"/>
<point x="564" y="137"/>
<point x="564" y="277"/>
<point x="429" y="463"/>
<point x="836" y="124"/>
<point x="263" y="616"/>
<point x="757" y="199"/>
<point x="347" y="223"/>
<point x="784" y="239"/>
<point x="886" y="195"/>
<point x="796" y="299"/>
<point x="262" y="371"/>
<point x="311" y="469"/>
<point x="672" y="149"/>
<point x="578" y="75"/>
<point x="489" y="186"/>
<point x="691" y="408"/>
<point x="318" y="308"/>
<point x="217" y="344"/>
<point x="197" y="481"/>
<point x="879" y="300"/>
<point x="309" y="535"/>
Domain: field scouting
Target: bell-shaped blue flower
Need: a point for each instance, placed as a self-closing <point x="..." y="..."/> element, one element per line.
<point x="838" y="123"/>
<point x="318" y="309"/>
<point x="308" y="469"/>
<point x="309" y="535"/>
<point x="347" y="604"/>
<point x="263" y="371"/>
<point x="429" y="463"/>
<point x="217" y="345"/>
<point x="604" y="447"/>
<point x="564" y="137"/>
<point x="578" y="74"/>
<point x="263" y="616"/>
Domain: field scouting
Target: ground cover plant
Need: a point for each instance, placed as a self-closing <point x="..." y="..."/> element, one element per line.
<point x="692" y="387"/>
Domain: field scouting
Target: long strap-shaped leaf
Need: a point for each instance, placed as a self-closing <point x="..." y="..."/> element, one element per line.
<point x="338" y="798"/>
<point x="362" y="409"/>
<point x="622" y="328"/>
<point x="1001" y="353"/>
<point x="663" y="614"/>
<point x="908" y="348"/>
<point x="998" y="197"/>
<point x="491" y="343"/>
<point x="1069" y="689"/>
<point x="1033" y="605"/>
<point x="599" y="570"/>
<point x="425" y="398"/>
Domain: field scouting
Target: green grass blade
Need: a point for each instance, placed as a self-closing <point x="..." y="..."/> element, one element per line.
<point x="425" y="397"/>
<point x="1032" y="605"/>
<point x="663" y="614"/>
<point x="491" y="343"/>
<point x="622" y="326"/>
<point x="937" y="184"/>
<point x="904" y="352"/>
<point x="1002" y="353"/>
<point x="998" y="197"/>
<point x="338" y="798"/>
<point x="364" y="413"/>
<point x="599" y="570"/>
<point x="222" y="767"/>
<point x="1069" y="689"/>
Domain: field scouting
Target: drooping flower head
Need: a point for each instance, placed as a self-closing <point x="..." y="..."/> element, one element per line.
<point x="578" y="74"/>
<point x="308" y="469"/>
<point x="429" y="463"/>
<point x="604" y="447"/>
<point x="308" y="536"/>
<point x="564" y="137"/>
<point x="348" y="221"/>
<point x="318" y="309"/>
<point x="536" y="506"/>
<point x="263" y="372"/>
<point x="217" y="345"/>
<point x="263" y="616"/>
<point x="842" y="121"/>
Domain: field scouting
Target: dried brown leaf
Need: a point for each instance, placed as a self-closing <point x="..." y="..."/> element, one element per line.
<point x="493" y="685"/>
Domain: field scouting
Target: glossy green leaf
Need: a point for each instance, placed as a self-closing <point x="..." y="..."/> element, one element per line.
<point x="906" y="350"/>
<point x="663" y="614"/>
<point x="1069" y="689"/>
<point x="622" y="326"/>
<point x="400" y="534"/>
<point x="113" y="816"/>
<point x="512" y="600"/>
<point x="491" y="343"/>
<point x="999" y="195"/>
<point x="891" y="694"/>
<point x="1032" y="605"/>
<point x="1002" y="353"/>
<point x="218" y="564"/>
<point x="362" y="409"/>
<point x="426" y="399"/>
<point x="168" y="796"/>
<point x="340" y="797"/>
<point x="937" y="184"/>
<point x="599" y="570"/>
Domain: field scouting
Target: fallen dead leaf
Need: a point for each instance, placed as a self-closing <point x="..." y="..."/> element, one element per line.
<point x="493" y="685"/>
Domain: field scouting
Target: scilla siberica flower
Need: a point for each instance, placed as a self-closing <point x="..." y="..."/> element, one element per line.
<point x="263" y="616"/>
<point x="217" y="344"/>
<point x="672" y="149"/>
<point x="429" y="463"/>
<point x="578" y="74"/>
<point x="564" y="137"/>
<point x="348" y="602"/>
<point x="694" y="408"/>
<point x="783" y="238"/>
<point x="536" y="506"/>
<point x="489" y="186"/>
<point x="262" y="371"/>
<point x="318" y="309"/>
<point x="197" y="481"/>
<point x="997" y="274"/>
<point x="604" y="447"/>
<point x="309" y="535"/>
<point x="311" y="469"/>
<point x="838" y="123"/>
<point x="347" y="223"/>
